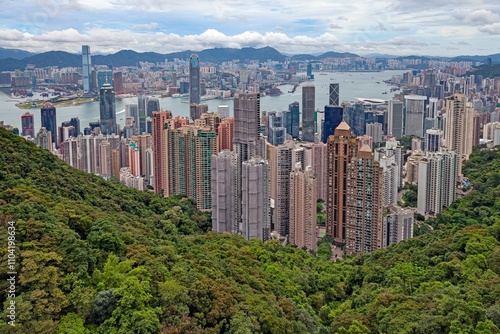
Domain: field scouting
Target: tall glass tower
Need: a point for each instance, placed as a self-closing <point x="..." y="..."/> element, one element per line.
<point x="86" y="64"/>
<point x="48" y="116"/>
<point x="194" y="79"/>
<point x="108" y="109"/>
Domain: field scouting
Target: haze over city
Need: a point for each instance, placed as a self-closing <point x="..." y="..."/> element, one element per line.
<point x="363" y="27"/>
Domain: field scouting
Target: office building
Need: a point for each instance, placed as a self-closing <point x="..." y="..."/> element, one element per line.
<point x="303" y="208"/>
<point x="276" y="127"/>
<point x="364" y="212"/>
<point x="28" y="125"/>
<point x="308" y="108"/>
<point x="414" y="115"/>
<point x="104" y="77"/>
<point x="255" y="220"/>
<point x="86" y="69"/>
<point x="108" y="110"/>
<point x="132" y="110"/>
<point x="433" y="140"/>
<point x="152" y="104"/>
<point x="195" y="110"/>
<point x="334" y="96"/>
<point x="437" y="177"/>
<point x="49" y="122"/>
<point x="223" y="110"/>
<point x="118" y="82"/>
<point x="293" y="120"/>
<point x="333" y="117"/>
<point x="459" y="131"/>
<point x="194" y="80"/>
<point x="341" y="148"/>
<point x="395" y="119"/>
<point x="223" y="188"/>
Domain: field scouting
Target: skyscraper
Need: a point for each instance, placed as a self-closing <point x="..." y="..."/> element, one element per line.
<point x="195" y="110"/>
<point x="223" y="183"/>
<point x="398" y="226"/>
<point x="293" y="120"/>
<point x="276" y="127"/>
<point x="49" y="122"/>
<point x="364" y="212"/>
<point x="459" y="128"/>
<point x="141" y="105"/>
<point x="225" y="135"/>
<point x="333" y="117"/>
<point x="255" y="221"/>
<point x="303" y="208"/>
<point x="27" y="125"/>
<point x="334" y="95"/>
<point x="86" y="71"/>
<point x="308" y="106"/>
<point x="189" y="150"/>
<point x="342" y="147"/>
<point x="160" y="152"/>
<point x="433" y="140"/>
<point x="108" y="110"/>
<point x="44" y="139"/>
<point x="395" y="119"/>
<point x="152" y="104"/>
<point x="194" y="79"/>
<point x="132" y="110"/>
<point x="414" y="111"/>
<point x="437" y="176"/>
<point x="246" y="139"/>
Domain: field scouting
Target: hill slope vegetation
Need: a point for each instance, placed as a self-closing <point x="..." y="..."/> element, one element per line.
<point x="96" y="257"/>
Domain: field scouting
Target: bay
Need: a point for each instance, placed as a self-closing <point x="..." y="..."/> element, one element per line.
<point x="352" y="85"/>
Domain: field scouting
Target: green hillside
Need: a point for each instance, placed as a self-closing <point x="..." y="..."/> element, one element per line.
<point x="96" y="257"/>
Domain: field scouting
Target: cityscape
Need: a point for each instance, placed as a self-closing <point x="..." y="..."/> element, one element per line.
<point x="270" y="174"/>
<point x="249" y="167"/>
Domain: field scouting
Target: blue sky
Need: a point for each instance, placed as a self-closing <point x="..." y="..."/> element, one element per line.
<point x="398" y="27"/>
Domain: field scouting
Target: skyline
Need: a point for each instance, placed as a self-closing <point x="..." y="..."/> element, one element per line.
<point x="364" y="27"/>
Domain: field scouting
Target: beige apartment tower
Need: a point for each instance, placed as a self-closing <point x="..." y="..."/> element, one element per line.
<point x="303" y="208"/>
<point x="341" y="148"/>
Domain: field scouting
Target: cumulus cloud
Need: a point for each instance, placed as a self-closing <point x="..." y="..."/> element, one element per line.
<point x="482" y="16"/>
<point x="492" y="29"/>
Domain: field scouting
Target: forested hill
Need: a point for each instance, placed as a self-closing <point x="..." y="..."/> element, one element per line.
<point x="96" y="257"/>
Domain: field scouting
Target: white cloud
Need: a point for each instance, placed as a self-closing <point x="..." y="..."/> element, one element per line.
<point x="481" y="17"/>
<point x="492" y="29"/>
<point x="146" y="26"/>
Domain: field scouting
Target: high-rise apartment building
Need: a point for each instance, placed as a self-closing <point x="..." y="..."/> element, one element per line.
<point x="141" y="105"/>
<point x="308" y="108"/>
<point x="194" y="79"/>
<point x="341" y="148"/>
<point x="152" y="104"/>
<point x="132" y="110"/>
<point x="391" y="175"/>
<point x="107" y="109"/>
<point x="437" y="176"/>
<point x="414" y="111"/>
<point x="49" y="122"/>
<point x="398" y="226"/>
<point x="374" y="130"/>
<point x="303" y="208"/>
<point x="27" y="125"/>
<point x="459" y="128"/>
<point x="246" y="138"/>
<point x="118" y="82"/>
<point x="395" y="119"/>
<point x="189" y="152"/>
<point x="225" y="135"/>
<point x="223" y="183"/>
<point x="364" y="201"/>
<point x="160" y="152"/>
<point x="44" y="139"/>
<point x="86" y="69"/>
<point x="255" y="220"/>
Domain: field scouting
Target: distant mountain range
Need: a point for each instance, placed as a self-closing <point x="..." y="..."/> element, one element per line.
<point x="12" y="59"/>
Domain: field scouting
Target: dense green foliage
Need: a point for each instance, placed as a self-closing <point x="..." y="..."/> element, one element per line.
<point x="96" y="257"/>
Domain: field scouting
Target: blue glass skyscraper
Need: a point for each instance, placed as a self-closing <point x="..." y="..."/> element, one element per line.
<point x="108" y="109"/>
<point x="293" y="120"/>
<point x="48" y="116"/>
<point x="333" y="117"/>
